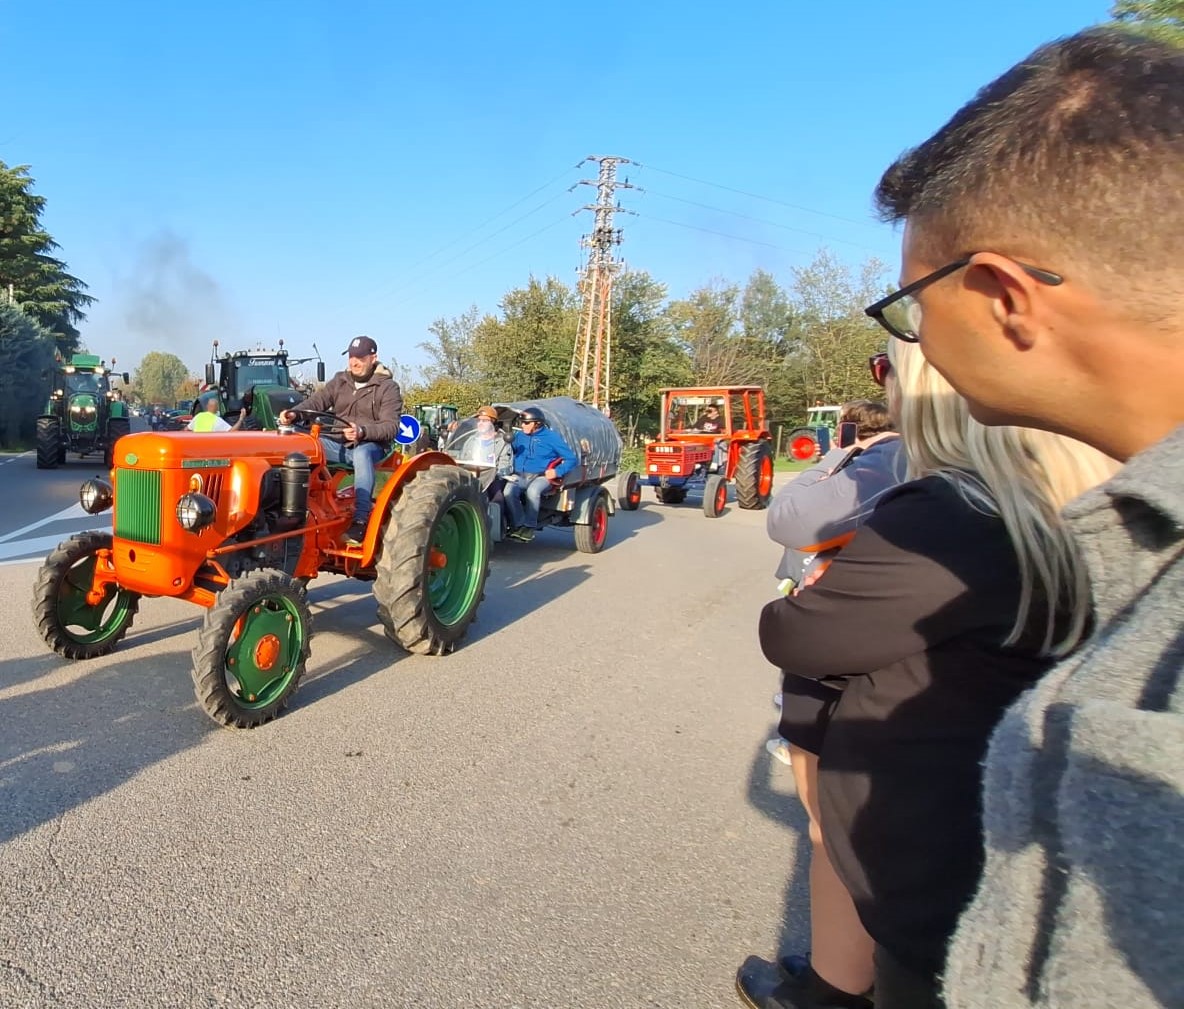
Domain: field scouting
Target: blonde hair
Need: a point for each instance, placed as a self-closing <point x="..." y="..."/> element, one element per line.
<point x="1022" y="475"/>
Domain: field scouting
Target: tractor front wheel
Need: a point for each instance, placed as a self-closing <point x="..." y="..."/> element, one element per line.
<point x="49" y="443"/>
<point x="117" y="427"/>
<point x="715" y="495"/>
<point x="754" y="475"/>
<point x="252" y="649"/>
<point x="71" y="625"/>
<point x="430" y="576"/>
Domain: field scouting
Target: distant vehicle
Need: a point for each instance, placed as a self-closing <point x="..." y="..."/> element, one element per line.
<point x="690" y="452"/>
<point x="434" y="420"/>
<point x="258" y="380"/>
<point x="814" y="439"/>
<point x="83" y="414"/>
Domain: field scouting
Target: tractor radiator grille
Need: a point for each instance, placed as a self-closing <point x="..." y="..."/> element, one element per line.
<point x="137" y="506"/>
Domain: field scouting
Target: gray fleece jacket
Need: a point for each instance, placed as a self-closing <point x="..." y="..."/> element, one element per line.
<point x="1082" y="898"/>
<point x="830" y="500"/>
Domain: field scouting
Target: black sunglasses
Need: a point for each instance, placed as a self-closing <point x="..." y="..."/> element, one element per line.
<point x="900" y="314"/>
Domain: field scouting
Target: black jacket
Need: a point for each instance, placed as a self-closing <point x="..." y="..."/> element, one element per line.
<point x="376" y="407"/>
<point x="912" y="615"/>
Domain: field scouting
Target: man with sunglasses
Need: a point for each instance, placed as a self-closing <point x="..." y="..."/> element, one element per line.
<point x="541" y="456"/>
<point x="1042" y="275"/>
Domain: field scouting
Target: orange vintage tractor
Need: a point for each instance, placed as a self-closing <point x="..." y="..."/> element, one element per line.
<point x="238" y="523"/>
<point x="712" y="437"/>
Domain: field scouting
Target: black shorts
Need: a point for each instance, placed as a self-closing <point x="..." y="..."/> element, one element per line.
<point x="806" y="709"/>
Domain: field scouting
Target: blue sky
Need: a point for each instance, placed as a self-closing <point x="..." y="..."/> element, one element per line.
<point x="314" y="170"/>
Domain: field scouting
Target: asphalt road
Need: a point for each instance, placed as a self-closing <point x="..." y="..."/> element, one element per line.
<point x="575" y="809"/>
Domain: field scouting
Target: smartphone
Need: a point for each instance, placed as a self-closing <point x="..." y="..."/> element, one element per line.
<point x="848" y="434"/>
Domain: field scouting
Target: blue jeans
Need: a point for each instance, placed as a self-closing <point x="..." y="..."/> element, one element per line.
<point x="363" y="458"/>
<point x="532" y="489"/>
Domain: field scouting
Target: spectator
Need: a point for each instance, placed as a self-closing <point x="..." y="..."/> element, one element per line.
<point x="210" y="420"/>
<point x="1073" y="162"/>
<point x="954" y="596"/>
<point x="540" y="456"/>
<point x="812" y="516"/>
<point x="369" y="404"/>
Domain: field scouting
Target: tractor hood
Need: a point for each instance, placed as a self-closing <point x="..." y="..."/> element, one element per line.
<point x="189" y="450"/>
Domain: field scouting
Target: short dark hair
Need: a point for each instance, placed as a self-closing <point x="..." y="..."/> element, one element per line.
<point x="1077" y="149"/>
<point x="871" y="418"/>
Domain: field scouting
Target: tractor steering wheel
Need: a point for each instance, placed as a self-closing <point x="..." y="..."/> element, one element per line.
<point x="335" y="424"/>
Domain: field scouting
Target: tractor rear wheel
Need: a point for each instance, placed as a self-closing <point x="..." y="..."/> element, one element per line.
<point x="70" y="625"/>
<point x="430" y="577"/>
<point x="715" y="495"/>
<point x="49" y="443"/>
<point x="803" y="444"/>
<point x="117" y="427"/>
<point x="754" y="475"/>
<point x="252" y="649"/>
<point x="629" y="491"/>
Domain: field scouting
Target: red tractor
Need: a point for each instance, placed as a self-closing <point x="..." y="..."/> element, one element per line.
<point x="712" y="437"/>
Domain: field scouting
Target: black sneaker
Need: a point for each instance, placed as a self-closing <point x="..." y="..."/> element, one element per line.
<point x="355" y="534"/>
<point x="764" y="985"/>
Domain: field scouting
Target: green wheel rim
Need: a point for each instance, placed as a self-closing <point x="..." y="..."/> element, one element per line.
<point x="96" y="623"/>
<point x="265" y="651"/>
<point x="456" y="560"/>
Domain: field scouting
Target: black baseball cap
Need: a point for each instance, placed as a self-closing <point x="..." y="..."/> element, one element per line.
<point x="361" y="346"/>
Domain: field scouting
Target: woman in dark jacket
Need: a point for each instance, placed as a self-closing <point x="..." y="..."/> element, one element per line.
<point x="936" y="616"/>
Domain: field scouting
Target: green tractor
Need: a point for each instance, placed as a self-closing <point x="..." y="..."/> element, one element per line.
<point x="83" y="414"/>
<point x="435" y="420"/>
<point x="256" y="379"/>
<point x="814" y="439"/>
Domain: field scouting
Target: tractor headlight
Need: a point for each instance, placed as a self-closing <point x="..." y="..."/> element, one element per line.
<point x="95" y="496"/>
<point x="195" y="512"/>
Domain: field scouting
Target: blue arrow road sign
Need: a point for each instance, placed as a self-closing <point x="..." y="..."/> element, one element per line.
<point x="408" y="430"/>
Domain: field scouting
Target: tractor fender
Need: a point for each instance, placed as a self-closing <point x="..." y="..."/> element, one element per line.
<point x="585" y="499"/>
<point x="401" y="468"/>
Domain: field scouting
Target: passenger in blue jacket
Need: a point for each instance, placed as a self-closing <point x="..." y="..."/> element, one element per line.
<point x="540" y="456"/>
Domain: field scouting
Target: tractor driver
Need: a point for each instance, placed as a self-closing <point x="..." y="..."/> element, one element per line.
<point x="540" y="456"/>
<point x="711" y="421"/>
<point x="368" y="400"/>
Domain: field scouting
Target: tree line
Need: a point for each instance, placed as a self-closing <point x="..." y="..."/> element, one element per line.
<point x="805" y="342"/>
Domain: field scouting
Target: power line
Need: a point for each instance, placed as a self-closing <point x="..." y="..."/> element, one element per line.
<point x="721" y="234"/>
<point x="501" y="252"/>
<point x="412" y="281"/>
<point x="501" y="213"/>
<point x="761" y="220"/>
<point x="756" y="196"/>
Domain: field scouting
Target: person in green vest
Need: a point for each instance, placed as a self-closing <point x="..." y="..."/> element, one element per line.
<point x="209" y="419"/>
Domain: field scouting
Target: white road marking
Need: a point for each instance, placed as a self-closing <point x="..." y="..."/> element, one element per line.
<point x="12" y="553"/>
<point x="65" y="515"/>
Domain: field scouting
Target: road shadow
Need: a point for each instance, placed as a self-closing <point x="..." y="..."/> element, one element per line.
<point x="771" y="792"/>
<point x="67" y="743"/>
